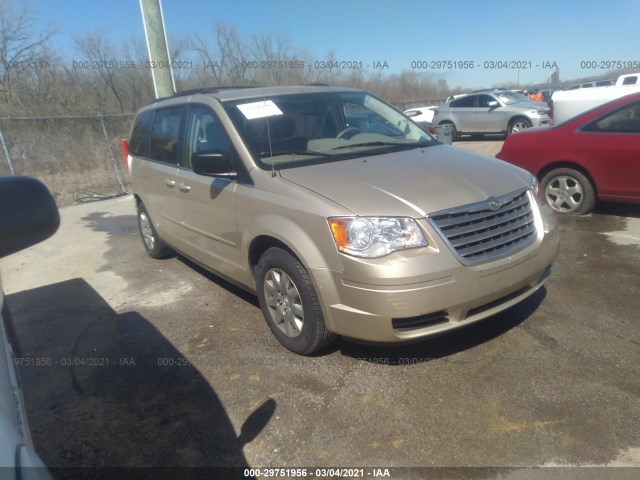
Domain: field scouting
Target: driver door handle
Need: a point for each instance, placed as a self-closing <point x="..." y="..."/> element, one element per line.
<point x="184" y="187"/>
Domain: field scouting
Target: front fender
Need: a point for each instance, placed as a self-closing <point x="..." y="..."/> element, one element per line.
<point x="311" y="243"/>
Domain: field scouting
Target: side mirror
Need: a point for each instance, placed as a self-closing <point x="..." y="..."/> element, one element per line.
<point x="28" y="213"/>
<point x="493" y="104"/>
<point x="213" y="164"/>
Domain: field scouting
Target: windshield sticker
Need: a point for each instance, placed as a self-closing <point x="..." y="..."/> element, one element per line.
<point x="262" y="109"/>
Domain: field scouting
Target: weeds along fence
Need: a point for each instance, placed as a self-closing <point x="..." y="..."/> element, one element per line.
<point x="78" y="157"/>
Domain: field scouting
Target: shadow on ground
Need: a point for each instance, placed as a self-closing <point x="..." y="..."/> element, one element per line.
<point x="116" y="392"/>
<point x="618" y="209"/>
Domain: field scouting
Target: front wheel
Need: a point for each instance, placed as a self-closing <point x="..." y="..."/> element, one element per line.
<point x="289" y="303"/>
<point x="568" y="191"/>
<point x="518" y="125"/>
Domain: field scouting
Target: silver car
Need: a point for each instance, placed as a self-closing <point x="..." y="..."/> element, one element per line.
<point x="490" y="112"/>
<point x="340" y="213"/>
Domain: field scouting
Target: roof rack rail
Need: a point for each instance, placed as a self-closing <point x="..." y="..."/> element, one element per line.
<point x="205" y="90"/>
<point x="184" y="93"/>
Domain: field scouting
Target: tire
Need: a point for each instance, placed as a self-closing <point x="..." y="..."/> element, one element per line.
<point x="155" y="247"/>
<point x="568" y="191"/>
<point x="518" y="124"/>
<point x="290" y="304"/>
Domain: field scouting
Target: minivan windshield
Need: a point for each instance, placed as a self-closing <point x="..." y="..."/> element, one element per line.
<point x="296" y="129"/>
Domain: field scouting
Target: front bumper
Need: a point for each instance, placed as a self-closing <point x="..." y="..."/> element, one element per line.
<point x="419" y="293"/>
<point x="539" y="121"/>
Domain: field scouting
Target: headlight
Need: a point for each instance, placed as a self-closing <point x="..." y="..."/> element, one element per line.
<point x="373" y="237"/>
<point x="537" y="191"/>
<point x="538" y="196"/>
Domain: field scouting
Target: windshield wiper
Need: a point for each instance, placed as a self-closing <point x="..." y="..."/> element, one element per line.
<point x="294" y="152"/>
<point x="381" y="144"/>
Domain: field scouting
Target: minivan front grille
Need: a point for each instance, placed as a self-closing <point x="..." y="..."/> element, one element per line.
<point x="488" y="230"/>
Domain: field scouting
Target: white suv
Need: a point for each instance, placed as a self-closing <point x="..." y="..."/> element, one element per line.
<point x="491" y="111"/>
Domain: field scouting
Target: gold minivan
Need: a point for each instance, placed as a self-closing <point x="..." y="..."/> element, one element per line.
<point x="340" y="213"/>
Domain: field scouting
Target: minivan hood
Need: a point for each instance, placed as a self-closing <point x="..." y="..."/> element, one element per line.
<point x="410" y="183"/>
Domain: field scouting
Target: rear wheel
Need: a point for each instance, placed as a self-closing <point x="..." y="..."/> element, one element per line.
<point x="568" y="191"/>
<point x="289" y="303"/>
<point x="150" y="239"/>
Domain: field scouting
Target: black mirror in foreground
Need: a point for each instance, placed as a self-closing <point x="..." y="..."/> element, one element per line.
<point x="28" y="213"/>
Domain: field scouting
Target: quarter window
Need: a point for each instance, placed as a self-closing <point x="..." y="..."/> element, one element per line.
<point x="139" y="141"/>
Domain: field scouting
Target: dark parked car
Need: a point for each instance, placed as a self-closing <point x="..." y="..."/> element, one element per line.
<point x="593" y="156"/>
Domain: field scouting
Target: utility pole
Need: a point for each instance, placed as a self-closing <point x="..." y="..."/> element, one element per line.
<point x="159" y="58"/>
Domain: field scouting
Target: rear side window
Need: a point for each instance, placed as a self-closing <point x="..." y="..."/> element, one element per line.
<point x="464" y="102"/>
<point x="624" y="120"/>
<point x="166" y="130"/>
<point x="139" y="141"/>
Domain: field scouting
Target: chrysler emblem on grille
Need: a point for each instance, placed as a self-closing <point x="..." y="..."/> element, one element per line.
<point x="495" y="204"/>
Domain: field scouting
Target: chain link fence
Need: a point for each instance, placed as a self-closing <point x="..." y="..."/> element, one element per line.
<point x="78" y="157"/>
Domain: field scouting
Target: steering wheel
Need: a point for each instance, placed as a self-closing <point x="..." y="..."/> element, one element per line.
<point x="347" y="130"/>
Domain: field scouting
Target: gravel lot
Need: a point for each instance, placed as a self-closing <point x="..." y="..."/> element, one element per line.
<point x="159" y="363"/>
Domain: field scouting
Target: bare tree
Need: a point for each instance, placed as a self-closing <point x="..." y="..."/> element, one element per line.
<point x="272" y="53"/>
<point x="21" y="49"/>
<point x="226" y="62"/>
<point x="137" y="81"/>
<point x="181" y="64"/>
<point x="39" y="89"/>
<point x="233" y="54"/>
<point x="102" y="63"/>
<point x="210" y="66"/>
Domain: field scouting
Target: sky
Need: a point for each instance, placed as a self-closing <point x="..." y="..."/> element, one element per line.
<point x="500" y="41"/>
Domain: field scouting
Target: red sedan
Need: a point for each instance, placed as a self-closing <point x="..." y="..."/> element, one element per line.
<point x="595" y="155"/>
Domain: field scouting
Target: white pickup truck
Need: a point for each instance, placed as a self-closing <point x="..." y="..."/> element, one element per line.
<point x="628" y="79"/>
<point x="569" y="103"/>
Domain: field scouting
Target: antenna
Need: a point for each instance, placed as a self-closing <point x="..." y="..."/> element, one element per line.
<point x="273" y="169"/>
